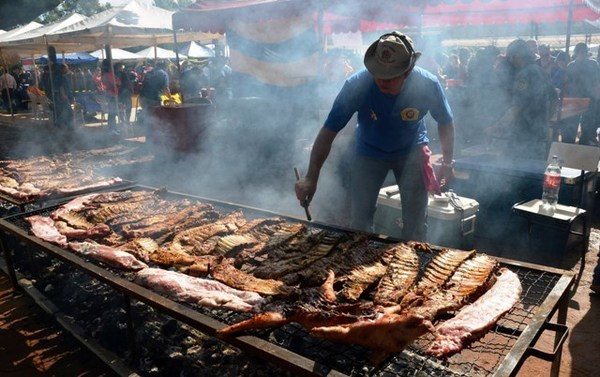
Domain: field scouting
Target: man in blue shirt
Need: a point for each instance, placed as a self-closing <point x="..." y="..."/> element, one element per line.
<point x="391" y="98"/>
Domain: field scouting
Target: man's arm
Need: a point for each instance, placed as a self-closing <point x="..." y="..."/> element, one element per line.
<point x="446" y="132"/>
<point x="307" y="186"/>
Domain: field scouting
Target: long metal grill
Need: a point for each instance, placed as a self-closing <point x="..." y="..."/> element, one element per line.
<point x="482" y="358"/>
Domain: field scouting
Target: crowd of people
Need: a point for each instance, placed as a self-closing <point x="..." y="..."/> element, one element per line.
<point x="512" y="98"/>
<point x="480" y="83"/>
<point x="109" y="89"/>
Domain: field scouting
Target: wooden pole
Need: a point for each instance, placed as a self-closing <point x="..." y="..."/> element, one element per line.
<point x="569" y="26"/>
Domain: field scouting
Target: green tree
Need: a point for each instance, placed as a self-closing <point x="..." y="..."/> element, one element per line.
<point x="67" y="7"/>
<point x="21" y="12"/>
<point x="173" y="4"/>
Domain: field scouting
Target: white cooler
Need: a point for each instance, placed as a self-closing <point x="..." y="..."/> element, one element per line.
<point x="451" y="218"/>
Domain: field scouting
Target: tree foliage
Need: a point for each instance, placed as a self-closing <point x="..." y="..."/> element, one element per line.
<point x="21" y="12"/>
<point x="68" y="7"/>
<point x="173" y="4"/>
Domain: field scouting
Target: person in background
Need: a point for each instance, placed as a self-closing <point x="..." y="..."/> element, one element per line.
<point x="112" y="84"/>
<point x="559" y="76"/>
<point x="484" y="96"/>
<point x="533" y="48"/>
<point x="524" y="128"/>
<point x="559" y="80"/>
<point x="546" y="60"/>
<point x="97" y="78"/>
<point x="125" y="92"/>
<point x="391" y="98"/>
<point x="583" y="80"/>
<point x="8" y="86"/>
<point x="154" y="85"/>
<point x="452" y="66"/>
<point x="23" y="79"/>
<point x="58" y="90"/>
<point x="192" y="82"/>
<point x="464" y="57"/>
<point x="79" y="84"/>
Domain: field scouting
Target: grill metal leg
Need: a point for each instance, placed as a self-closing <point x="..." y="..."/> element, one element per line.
<point x="9" y="265"/>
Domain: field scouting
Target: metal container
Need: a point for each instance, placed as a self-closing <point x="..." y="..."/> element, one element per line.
<point x="450" y="222"/>
<point x="179" y="129"/>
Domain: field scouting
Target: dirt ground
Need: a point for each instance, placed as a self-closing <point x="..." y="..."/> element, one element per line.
<point x="32" y="344"/>
<point x="580" y="351"/>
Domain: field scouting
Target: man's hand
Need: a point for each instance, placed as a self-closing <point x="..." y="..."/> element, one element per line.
<point x="305" y="190"/>
<point x="446" y="175"/>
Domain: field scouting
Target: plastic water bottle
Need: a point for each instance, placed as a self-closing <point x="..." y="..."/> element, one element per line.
<point x="551" y="186"/>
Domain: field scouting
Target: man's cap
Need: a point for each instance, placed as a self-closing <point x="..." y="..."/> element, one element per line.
<point x="391" y="55"/>
<point x="519" y="49"/>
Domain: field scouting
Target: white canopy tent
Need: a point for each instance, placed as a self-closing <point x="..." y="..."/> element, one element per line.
<point x="39" y="32"/>
<point x="13" y="33"/>
<point x="194" y="50"/>
<point x="131" y="25"/>
<point x="116" y="54"/>
<point x="156" y="52"/>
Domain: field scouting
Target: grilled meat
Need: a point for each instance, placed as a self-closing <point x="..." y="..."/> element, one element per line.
<point x="142" y="248"/>
<point x="201" y="266"/>
<point x="340" y="260"/>
<point x="226" y="273"/>
<point x="468" y="282"/>
<point x="385" y="335"/>
<point x="44" y="228"/>
<point x="111" y="256"/>
<point x="399" y="276"/>
<point x="296" y="260"/>
<point x="199" y="291"/>
<point x="327" y="290"/>
<point x="437" y="272"/>
<point x="96" y="231"/>
<point x="202" y="240"/>
<point x="474" y="320"/>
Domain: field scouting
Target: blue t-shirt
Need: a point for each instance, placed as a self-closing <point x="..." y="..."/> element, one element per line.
<point x="389" y="126"/>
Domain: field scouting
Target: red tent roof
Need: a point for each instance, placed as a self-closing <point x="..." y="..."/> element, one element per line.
<point x="352" y="15"/>
<point x="493" y="12"/>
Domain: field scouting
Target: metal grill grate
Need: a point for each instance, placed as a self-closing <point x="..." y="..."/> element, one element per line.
<point x="481" y="358"/>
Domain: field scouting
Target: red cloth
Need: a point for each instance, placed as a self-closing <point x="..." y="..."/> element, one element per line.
<point x="429" y="178"/>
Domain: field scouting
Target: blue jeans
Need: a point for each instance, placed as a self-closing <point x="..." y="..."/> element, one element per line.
<point x="367" y="177"/>
<point x="112" y="113"/>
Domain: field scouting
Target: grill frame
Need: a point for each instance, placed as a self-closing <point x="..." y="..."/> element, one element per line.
<point x="556" y="299"/>
<point x="8" y="203"/>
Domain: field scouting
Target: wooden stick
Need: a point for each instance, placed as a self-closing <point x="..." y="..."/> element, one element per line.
<point x="305" y="203"/>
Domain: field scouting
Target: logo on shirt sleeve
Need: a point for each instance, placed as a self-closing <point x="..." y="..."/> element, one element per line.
<point x="409" y="114"/>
